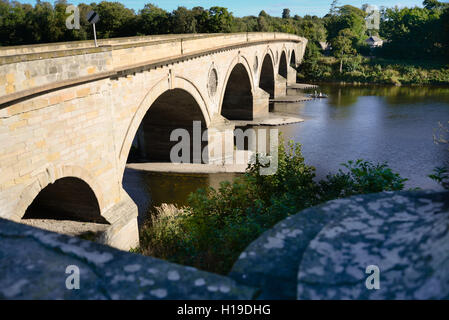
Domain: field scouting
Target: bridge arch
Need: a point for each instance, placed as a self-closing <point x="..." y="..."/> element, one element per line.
<point x="163" y="86"/>
<point x="77" y="195"/>
<point x="293" y="59"/>
<point x="236" y="102"/>
<point x="283" y="71"/>
<point x="267" y="80"/>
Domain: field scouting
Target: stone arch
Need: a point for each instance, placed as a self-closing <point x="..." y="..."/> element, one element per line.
<point x="173" y="110"/>
<point x="283" y="71"/>
<point x="49" y="177"/>
<point x="163" y="85"/>
<point x="236" y="101"/>
<point x="293" y="59"/>
<point x="267" y="75"/>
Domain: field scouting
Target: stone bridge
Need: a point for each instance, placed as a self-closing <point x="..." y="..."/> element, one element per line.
<point x="70" y="114"/>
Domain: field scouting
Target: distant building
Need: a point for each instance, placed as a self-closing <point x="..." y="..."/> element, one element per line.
<point x="374" y="41"/>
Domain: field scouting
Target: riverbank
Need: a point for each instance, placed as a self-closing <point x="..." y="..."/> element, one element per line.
<point x="369" y="70"/>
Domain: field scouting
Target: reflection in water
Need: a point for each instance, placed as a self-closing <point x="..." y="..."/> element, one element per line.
<point x="348" y="95"/>
<point x="149" y="190"/>
<point x="376" y="123"/>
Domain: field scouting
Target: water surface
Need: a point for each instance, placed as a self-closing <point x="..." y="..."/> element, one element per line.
<point x="392" y="124"/>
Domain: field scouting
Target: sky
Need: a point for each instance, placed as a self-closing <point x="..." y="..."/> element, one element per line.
<point x="242" y="8"/>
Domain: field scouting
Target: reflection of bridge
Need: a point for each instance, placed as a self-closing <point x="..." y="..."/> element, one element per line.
<point x="70" y="112"/>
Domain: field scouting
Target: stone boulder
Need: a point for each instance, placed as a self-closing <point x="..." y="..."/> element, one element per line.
<point x="328" y="251"/>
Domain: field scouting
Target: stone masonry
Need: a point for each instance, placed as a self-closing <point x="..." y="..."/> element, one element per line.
<point x="73" y="110"/>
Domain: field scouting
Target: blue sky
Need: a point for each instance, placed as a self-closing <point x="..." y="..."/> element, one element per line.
<point x="253" y="7"/>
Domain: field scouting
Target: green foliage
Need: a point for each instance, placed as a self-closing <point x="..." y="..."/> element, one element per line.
<point x="116" y="20"/>
<point x="220" y="20"/>
<point x="219" y="224"/>
<point x="153" y="20"/>
<point x="359" y="69"/>
<point x="292" y="181"/>
<point x="414" y="32"/>
<point x="441" y="175"/>
<point x="25" y="24"/>
<point x="183" y="21"/>
<point x="417" y="40"/>
<point x="362" y="177"/>
<point x="286" y="14"/>
<point x="350" y="19"/>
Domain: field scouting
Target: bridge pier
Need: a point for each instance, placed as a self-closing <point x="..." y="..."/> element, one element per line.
<point x="280" y="86"/>
<point x="123" y="232"/>
<point x="220" y="141"/>
<point x="261" y="101"/>
<point x="291" y="76"/>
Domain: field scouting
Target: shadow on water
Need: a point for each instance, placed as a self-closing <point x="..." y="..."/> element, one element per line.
<point x="393" y="95"/>
<point x="149" y="190"/>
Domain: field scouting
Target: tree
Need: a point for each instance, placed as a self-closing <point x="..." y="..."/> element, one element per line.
<point x="347" y="17"/>
<point x="115" y="19"/>
<point x="333" y="9"/>
<point x="263" y="14"/>
<point x="413" y="32"/>
<point x="220" y="20"/>
<point x="183" y="21"/>
<point x="312" y="29"/>
<point x="153" y="20"/>
<point x="342" y="45"/>
<point x="434" y="4"/>
<point x="202" y="19"/>
<point x="286" y="14"/>
<point x="262" y="24"/>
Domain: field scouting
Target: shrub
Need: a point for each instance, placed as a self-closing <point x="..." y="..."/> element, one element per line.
<point x="362" y="177"/>
<point x="441" y="175"/>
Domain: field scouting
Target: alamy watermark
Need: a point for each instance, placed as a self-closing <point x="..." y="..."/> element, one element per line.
<point x="73" y="20"/>
<point x="373" y="17"/>
<point x="72" y="282"/>
<point x="372" y="282"/>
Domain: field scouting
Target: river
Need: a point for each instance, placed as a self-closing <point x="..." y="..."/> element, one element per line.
<point x="375" y="123"/>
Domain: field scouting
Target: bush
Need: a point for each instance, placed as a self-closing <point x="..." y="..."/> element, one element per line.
<point x="219" y="224"/>
<point x="441" y="175"/>
<point x="362" y="177"/>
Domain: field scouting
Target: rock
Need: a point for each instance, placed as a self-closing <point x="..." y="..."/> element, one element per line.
<point x="405" y="235"/>
<point x="33" y="265"/>
<point x="323" y="252"/>
<point x="271" y="262"/>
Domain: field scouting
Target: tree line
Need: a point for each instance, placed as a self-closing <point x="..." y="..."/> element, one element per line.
<point x="44" y="22"/>
<point x="411" y="32"/>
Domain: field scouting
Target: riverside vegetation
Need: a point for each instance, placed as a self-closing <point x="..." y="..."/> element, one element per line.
<point x="415" y="50"/>
<point x="217" y="225"/>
